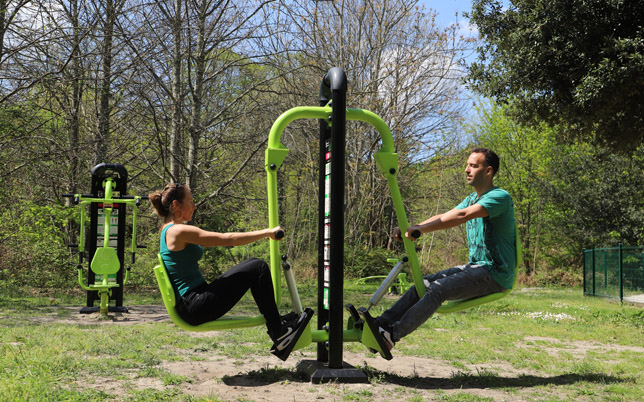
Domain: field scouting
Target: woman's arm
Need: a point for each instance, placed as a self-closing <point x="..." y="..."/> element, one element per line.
<point x="178" y="236"/>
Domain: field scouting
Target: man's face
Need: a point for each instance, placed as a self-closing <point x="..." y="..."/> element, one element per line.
<point x="476" y="170"/>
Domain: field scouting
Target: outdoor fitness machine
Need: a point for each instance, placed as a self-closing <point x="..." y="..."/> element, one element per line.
<point x="104" y="242"/>
<point x="330" y="334"/>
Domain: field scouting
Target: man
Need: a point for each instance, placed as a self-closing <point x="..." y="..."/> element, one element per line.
<point x="489" y="215"/>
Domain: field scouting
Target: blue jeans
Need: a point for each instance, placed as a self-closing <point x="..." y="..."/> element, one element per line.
<point x="460" y="282"/>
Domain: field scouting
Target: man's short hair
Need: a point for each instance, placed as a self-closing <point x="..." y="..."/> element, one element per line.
<point x="491" y="158"/>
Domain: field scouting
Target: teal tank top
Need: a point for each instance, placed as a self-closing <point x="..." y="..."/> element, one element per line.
<point x="182" y="266"/>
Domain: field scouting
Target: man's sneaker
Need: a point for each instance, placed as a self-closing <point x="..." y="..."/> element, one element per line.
<point x="385" y="333"/>
<point x="292" y="331"/>
<point x="373" y="327"/>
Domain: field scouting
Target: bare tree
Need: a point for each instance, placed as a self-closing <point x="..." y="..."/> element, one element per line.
<point x="205" y="89"/>
<point x="400" y="65"/>
<point x="221" y="28"/>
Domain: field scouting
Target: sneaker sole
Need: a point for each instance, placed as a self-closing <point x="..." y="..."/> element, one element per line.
<point x="284" y="353"/>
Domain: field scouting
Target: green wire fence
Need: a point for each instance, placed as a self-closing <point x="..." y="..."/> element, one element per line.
<point x="615" y="272"/>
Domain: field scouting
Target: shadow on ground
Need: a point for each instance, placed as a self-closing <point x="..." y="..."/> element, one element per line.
<point x="461" y="380"/>
<point x="267" y="376"/>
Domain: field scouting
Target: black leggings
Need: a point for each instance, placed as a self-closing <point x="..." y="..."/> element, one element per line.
<point x="207" y="302"/>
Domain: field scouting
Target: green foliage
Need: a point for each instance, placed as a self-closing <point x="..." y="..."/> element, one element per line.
<point x="360" y="262"/>
<point x="576" y="62"/>
<point x="34" y="246"/>
<point x="49" y="142"/>
<point x="596" y="196"/>
<point x="578" y="192"/>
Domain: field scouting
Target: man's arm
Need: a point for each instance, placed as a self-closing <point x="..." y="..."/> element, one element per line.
<point x="447" y="220"/>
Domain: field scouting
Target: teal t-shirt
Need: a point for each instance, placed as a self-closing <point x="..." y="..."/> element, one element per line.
<point x="491" y="239"/>
<point x="182" y="266"/>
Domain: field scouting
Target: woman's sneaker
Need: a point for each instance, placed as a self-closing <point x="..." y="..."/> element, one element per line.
<point x="290" y="334"/>
<point x="289" y="317"/>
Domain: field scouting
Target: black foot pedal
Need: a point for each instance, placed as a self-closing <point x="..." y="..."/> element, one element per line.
<point x="373" y="328"/>
<point x="354" y="313"/>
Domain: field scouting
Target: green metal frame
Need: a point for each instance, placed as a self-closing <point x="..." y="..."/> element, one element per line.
<point x="105" y="260"/>
<point x="387" y="160"/>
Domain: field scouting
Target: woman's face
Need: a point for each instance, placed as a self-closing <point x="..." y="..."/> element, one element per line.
<point x="187" y="206"/>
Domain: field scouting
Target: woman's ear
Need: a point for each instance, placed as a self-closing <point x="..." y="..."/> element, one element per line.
<point x="174" y="205"/>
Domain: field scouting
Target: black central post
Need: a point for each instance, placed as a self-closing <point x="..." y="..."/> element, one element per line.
<point x="338" y="83"/>
<point x="329" y="365"/>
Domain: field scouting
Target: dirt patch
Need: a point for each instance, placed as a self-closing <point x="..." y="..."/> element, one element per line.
<point x="578" y="349"/>
<point x="72" y="315"/>
<point x="266" y="378"/>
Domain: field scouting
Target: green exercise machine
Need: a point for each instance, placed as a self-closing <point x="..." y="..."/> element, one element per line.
<point x="331" y="332"/>
<point x="102" y="238"/>
<point x="332" y="115"/>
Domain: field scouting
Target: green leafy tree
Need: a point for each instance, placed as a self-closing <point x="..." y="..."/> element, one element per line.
<point x="578" y="62"/>
<point x="597" y="195"/>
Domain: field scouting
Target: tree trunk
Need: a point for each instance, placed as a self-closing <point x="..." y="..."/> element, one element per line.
<point x="197" y="97"/>
<point x="175" y="134"/>
<point x="102" y="140"/>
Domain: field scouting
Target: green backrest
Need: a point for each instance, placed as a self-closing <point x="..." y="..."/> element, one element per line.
<point x="165" y="286"/>
<point x="458" y="305"/>
<point x="105" y="261"/>
<point x="169" y="300"/>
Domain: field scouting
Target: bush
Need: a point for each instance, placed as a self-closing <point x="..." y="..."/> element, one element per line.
<point x="34" y="247"/>
<point x="360" y="262"/>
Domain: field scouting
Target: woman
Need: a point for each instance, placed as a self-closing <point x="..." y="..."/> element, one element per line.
<point x="182" y="248"/>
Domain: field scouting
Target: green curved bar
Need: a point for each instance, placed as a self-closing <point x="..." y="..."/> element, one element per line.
<point x="286" y="118"/>
<point x="274" y="156"/>
<point x="386" y="159"/>
<point x="378" y="123"/>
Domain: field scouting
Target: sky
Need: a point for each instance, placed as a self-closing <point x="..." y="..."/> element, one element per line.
<point x="446" y="10"/>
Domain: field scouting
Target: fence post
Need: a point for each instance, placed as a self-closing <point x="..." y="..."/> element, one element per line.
<point x="605" y="270"/>
<point x="583" y="259"/>
<point x="621" y="282"/>
<point x="593" y="271"/>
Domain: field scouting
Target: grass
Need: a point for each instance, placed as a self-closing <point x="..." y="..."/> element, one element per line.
<point x="535" y="345"/>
